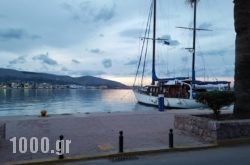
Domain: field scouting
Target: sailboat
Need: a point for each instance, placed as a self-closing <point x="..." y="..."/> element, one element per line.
<point x="175" y="92"/>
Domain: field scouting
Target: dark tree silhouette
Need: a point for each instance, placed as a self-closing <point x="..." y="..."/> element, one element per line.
<point x="242" y="56"/>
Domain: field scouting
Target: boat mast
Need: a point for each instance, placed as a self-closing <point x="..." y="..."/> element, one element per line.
<point x="154" y="33"/>
<point x="194" y="44"/>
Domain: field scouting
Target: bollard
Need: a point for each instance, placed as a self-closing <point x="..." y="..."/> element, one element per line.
<point x="121" y="142"/>
<point x="161" y="102"/>
<point x="61" y="156"/>
<point x="171" y="138"/>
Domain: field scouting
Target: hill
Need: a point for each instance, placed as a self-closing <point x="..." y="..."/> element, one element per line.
<point x="11" y="75"/>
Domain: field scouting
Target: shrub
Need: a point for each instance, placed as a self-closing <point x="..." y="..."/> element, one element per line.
<point x="216" y="100"/>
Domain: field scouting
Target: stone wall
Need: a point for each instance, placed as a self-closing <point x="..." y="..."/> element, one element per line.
<point x="2" y="130"/>
<point x="233" y="129"/>
<point x="212" y="131"/>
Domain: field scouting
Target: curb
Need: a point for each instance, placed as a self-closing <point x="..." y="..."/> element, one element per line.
<point x="237" y="141"/>
<point x="127" y="153"/>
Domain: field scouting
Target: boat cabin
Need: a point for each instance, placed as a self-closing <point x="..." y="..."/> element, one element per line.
<point x="177" y="90"/>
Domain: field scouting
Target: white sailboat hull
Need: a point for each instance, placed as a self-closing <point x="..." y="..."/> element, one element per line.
<point x="168" y="102"/>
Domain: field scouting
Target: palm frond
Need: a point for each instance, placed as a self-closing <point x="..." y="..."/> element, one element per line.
<point x="191" y="2"/>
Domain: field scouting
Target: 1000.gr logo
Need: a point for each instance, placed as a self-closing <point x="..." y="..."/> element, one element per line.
<point x="62" y="146"/>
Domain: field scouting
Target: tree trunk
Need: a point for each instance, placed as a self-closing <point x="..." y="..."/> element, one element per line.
<point x="242" y="57"/>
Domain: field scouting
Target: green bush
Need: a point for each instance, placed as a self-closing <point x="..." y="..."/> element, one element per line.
<point x="216" y="100"/>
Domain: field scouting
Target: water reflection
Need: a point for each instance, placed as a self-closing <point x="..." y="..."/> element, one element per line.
<point x="60" y="101"/>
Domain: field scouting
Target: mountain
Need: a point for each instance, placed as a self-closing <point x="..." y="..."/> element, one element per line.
<point x="11" y="75"/>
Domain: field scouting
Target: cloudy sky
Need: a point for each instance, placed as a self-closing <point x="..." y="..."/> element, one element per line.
<point x="102" y="37"/>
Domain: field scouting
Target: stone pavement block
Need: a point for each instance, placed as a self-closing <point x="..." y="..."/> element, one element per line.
<point x="2" y="130"/>
<point x="94" y="134"/>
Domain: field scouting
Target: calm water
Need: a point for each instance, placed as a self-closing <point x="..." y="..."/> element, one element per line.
<point x="64" y="101"/>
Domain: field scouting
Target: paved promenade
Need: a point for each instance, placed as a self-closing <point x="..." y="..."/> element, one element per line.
<point x="94" y="134"/>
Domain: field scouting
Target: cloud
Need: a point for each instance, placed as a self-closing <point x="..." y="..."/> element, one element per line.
<point x="167" y="40"/>
<point x="184" y="59"/>
<point x="16" y="34"/>
<point x="131" y="33"/>
<point x="19" y="60"/>
<point x="96" y="51"/>
<point x="105" y="13"/>
<point x="205" y="25"/>
<point x="8" y="34"/>
<point x="75" y="61"/>
<point x="70" y="8"/>
<point x="64" y="69"/>
<point x="107" y="63"/>
<point x="132" y="62"/>
<point x="45" y="59"/>
<point x="89" y="72"/>
<point x="221" y="52"/>
<point x="87" y="11"/>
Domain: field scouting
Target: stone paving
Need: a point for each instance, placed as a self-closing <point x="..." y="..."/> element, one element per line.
<point x="93" y="134"/>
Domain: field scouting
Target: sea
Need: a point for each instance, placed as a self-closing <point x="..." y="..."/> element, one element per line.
<point x="25" y="102"/>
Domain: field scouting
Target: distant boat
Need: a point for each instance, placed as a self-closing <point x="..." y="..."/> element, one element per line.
<point x="178" y="92"/>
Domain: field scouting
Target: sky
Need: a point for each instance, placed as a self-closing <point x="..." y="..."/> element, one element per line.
<point x="102" y="37"/>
